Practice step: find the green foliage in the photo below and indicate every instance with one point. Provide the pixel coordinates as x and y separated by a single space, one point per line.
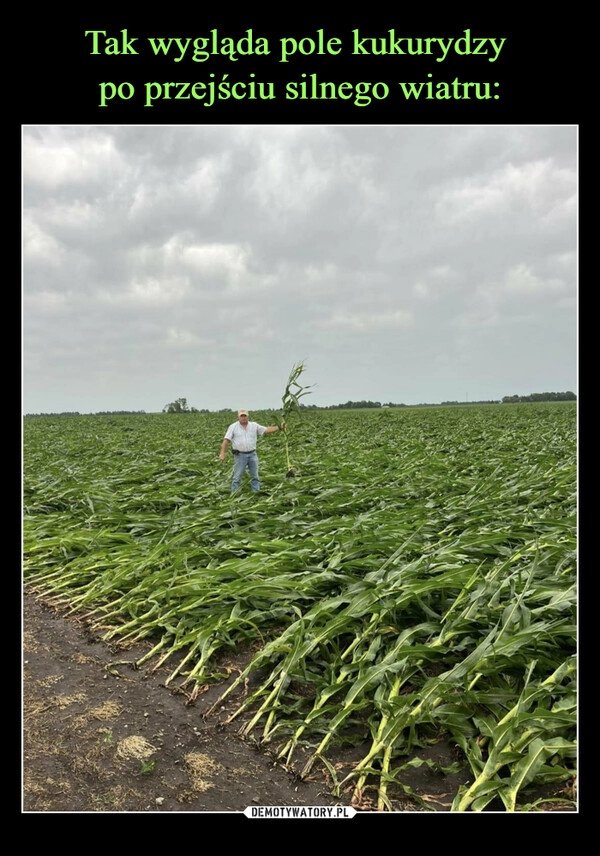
180 405
291 407
540 396
403 593
294 391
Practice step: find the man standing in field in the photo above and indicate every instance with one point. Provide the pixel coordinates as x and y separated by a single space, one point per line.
243 436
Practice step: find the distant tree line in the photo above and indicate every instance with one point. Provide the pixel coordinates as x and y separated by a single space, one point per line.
98 413
117 412
540 396
491 401
353 405
508 399
180 405
364 404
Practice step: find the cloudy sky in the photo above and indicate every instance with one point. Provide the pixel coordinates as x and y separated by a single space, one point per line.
401 263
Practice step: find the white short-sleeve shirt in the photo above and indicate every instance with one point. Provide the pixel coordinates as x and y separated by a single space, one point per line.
244 439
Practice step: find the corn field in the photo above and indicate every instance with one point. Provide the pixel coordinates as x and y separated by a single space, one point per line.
415 581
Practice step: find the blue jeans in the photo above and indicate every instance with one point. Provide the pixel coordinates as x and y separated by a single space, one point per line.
240 462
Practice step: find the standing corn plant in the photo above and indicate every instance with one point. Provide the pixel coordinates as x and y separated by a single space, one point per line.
290 401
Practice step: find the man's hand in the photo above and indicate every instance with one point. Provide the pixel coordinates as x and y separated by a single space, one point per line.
222 456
